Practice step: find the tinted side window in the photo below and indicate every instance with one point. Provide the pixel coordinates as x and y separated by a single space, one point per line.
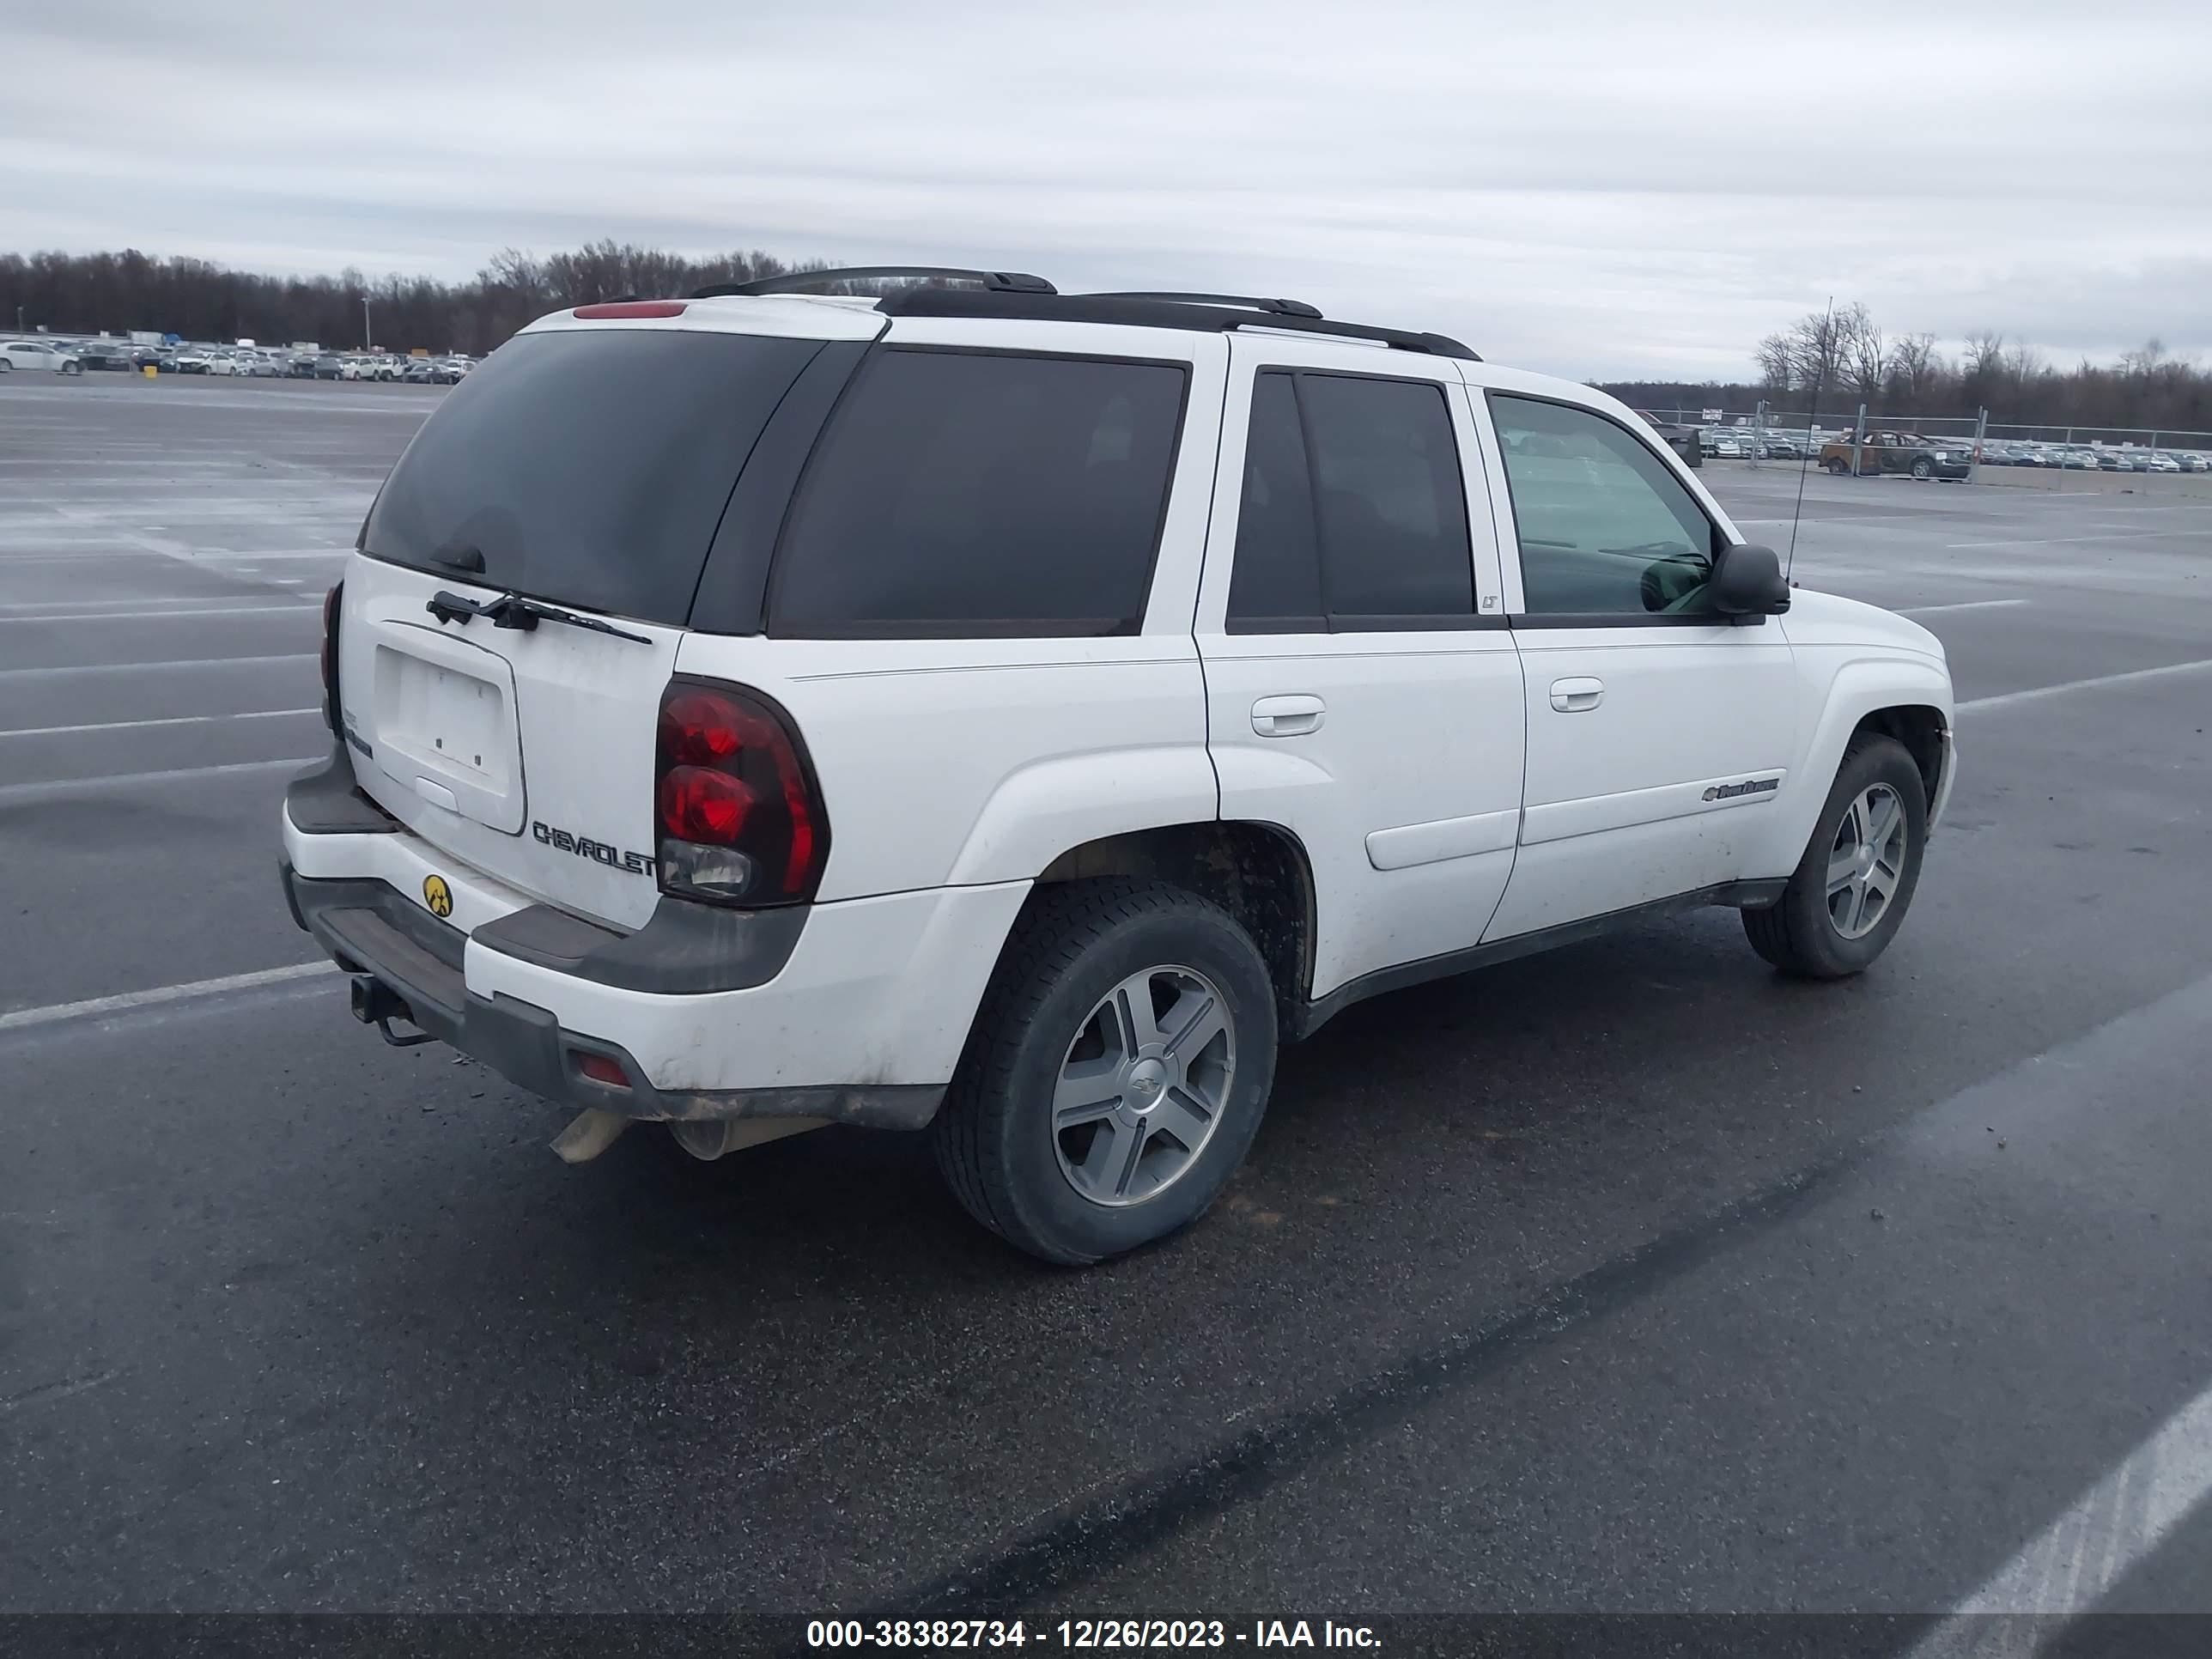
1275 584
1605 528
992 494
1389 497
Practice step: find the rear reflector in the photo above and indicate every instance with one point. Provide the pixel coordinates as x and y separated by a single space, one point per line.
601 1068
631 308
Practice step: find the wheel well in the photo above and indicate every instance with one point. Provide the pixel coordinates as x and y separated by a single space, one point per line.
1920 729
1256 871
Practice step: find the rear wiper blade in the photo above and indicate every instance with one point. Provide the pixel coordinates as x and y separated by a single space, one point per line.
514 611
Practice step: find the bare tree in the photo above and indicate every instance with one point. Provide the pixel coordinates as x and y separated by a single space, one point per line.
2143 362
1811 352
1777 362
1914 368
1865 358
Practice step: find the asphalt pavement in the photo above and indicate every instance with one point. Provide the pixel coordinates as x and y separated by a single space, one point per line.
1627 1278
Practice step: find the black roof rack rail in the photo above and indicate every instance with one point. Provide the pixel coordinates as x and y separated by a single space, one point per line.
1281 307
997 281
1151 313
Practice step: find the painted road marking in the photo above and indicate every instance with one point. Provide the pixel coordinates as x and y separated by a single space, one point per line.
170 720
182 604
12 792
24 1018
292 609
2005 700
2076 1561
2066 541
134 668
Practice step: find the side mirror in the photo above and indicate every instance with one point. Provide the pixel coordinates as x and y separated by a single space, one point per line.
1746 583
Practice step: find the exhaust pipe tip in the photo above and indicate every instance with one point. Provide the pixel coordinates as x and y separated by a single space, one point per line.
590 1132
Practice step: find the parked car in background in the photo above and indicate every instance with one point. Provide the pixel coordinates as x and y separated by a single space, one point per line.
418 372
2159 461
37 356
2119 460
1720 446
1905 453
1682 440
221 362
2193 462
113 354
190 360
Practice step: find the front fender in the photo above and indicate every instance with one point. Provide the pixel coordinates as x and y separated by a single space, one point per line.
1855 683
1040 811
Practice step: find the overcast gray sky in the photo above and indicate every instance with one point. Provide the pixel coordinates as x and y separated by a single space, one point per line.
1593 189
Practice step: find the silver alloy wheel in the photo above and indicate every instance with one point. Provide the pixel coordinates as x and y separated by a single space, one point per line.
1143 1086
1866 862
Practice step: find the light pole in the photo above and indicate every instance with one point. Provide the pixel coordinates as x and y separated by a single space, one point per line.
366 343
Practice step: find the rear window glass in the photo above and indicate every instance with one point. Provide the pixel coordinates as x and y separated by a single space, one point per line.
981 493
588 467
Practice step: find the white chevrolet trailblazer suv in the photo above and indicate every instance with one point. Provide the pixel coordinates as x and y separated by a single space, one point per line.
1016 713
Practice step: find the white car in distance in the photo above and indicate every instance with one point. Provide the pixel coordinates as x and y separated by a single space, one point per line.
37 356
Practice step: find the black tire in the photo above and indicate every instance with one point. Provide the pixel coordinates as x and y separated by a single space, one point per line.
1074 944
1797 932
1924 470
1839 467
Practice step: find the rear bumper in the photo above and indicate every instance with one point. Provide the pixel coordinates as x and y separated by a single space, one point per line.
853 1011
370 930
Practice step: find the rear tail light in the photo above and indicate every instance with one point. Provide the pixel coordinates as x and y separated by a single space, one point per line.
333 603
738 814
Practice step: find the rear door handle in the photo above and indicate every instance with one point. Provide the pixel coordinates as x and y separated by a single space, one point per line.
1576 695
1288 716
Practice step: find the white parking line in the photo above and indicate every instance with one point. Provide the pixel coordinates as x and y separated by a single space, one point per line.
130 1000
1963 605
132 667
2071 1565
169 615
2007 699
60 786
169 719
185 607
2068 541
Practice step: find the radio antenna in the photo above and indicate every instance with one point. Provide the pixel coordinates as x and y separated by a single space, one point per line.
1811 424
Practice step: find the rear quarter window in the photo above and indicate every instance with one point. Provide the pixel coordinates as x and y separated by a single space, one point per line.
586 466
981 493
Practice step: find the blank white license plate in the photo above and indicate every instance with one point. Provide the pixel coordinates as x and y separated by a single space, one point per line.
442 713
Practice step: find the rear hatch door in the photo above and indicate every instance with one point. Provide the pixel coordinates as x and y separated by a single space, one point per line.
585 469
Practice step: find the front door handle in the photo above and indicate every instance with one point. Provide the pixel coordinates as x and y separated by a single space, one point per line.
1576 695
1288 716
